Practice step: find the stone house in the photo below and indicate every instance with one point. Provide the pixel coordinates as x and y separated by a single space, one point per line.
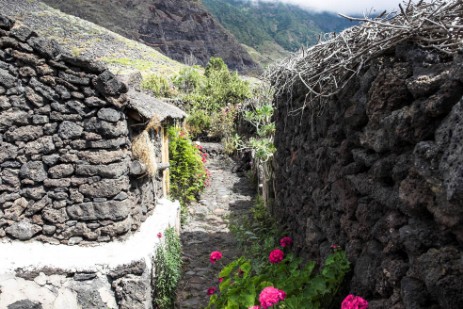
83 166
68 172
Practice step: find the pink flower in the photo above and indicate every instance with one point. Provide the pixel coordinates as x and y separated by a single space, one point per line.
220 280
354 302
159 235
270 296
334 246
276 256
215 256
254 307
211 291
286 241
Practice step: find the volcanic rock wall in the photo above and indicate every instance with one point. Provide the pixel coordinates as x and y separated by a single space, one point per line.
65 159
379 171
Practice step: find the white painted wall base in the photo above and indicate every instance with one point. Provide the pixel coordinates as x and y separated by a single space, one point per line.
101 276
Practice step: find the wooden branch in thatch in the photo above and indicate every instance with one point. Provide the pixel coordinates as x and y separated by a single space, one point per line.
327 67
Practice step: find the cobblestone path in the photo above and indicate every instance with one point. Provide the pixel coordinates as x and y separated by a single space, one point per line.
206 229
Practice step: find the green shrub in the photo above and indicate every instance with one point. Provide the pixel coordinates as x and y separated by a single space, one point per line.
160 86
208 95
198 121
224 87
189 79
188 175
167 270
223 123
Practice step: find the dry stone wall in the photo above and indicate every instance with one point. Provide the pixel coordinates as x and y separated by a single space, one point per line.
65 159
379 171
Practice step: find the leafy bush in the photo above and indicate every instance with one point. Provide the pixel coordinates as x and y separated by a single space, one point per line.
198 121
160 86
267 262
167 270
241 280
208 95
241 283
189 79
188 174
222 86
258 114
223 123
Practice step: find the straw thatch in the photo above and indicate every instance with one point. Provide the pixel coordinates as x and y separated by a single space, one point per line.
324 69
143 149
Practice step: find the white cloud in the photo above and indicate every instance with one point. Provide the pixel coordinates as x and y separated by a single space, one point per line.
347 6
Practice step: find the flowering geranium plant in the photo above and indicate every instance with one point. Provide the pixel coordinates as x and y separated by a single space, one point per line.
215 256
284 281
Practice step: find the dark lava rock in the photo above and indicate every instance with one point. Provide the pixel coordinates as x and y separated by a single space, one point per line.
5 22
25 304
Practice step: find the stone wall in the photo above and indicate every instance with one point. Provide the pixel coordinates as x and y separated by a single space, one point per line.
111 275
379 171
65 159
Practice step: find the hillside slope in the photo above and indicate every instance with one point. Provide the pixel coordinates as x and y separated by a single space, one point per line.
266 26
181 29
87 39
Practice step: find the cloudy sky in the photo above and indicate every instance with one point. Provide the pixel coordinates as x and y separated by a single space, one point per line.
347 6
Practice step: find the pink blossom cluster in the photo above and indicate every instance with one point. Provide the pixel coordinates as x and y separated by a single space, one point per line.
286 241
354 302
270 296
276 256
211 291
215 256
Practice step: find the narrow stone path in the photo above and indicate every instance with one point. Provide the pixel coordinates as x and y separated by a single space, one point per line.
206 230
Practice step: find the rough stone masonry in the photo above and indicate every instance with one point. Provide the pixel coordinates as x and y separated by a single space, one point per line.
65 154
380 173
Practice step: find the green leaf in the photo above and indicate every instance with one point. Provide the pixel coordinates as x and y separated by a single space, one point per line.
246 268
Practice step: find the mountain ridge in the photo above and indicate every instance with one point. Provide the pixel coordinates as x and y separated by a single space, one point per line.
183 30
264 25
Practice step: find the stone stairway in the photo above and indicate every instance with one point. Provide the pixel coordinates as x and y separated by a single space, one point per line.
206 229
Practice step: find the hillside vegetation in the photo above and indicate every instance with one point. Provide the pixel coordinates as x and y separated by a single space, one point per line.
181 29
273 28
83 38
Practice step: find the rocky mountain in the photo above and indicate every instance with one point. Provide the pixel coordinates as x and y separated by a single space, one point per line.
182 29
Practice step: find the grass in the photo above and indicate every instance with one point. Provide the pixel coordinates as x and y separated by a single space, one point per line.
141 65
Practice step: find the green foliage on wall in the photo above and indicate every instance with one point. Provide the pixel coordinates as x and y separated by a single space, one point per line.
188 175
167 270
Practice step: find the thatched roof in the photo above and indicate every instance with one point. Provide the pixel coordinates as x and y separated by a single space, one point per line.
148 107
324 69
